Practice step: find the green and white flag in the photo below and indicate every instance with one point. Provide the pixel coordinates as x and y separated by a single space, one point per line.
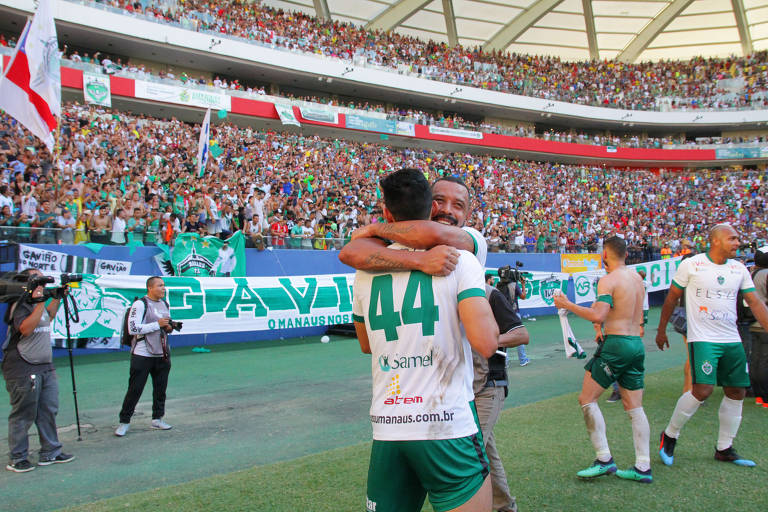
208 256
97 90
285 112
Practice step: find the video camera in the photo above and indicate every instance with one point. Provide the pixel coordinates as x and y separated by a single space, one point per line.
508 274
175 325
18 286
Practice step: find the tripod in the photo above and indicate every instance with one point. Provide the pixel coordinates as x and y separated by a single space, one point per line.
74 315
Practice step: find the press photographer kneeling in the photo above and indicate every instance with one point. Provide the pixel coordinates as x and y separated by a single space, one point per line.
148 324
30 376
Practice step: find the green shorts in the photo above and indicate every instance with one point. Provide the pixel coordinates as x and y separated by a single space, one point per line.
401 473
720 364
620 359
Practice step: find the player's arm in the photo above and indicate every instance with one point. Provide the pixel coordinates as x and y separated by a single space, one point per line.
371 254
481 329
512 331
418 234
598 312
362 337
758 308
673 298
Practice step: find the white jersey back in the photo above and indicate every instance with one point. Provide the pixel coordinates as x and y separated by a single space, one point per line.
710 297
421 363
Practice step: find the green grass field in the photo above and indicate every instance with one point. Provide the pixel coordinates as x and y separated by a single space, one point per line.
282 426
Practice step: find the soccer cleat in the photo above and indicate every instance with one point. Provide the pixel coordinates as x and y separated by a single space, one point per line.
759 400
524 361
667 448
615 397
122 429
20 467
159 424
644 477
59 459
730 455
598 468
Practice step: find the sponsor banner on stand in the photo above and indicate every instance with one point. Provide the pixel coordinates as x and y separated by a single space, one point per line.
370 124
658 276
406 129
286 115
182 96
53 263
454 132
97 89
738 153
319 114
572 263
222 304
540 288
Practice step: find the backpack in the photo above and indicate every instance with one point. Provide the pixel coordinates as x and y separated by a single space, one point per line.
127 338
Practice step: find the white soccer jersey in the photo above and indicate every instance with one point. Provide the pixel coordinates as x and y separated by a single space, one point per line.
481 246
421 362
710 297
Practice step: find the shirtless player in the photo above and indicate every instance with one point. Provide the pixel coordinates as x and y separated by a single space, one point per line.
620 357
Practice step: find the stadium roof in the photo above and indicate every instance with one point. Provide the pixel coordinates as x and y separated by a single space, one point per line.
630 30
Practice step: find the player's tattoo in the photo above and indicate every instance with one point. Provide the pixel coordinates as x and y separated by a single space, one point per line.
378 261
395 229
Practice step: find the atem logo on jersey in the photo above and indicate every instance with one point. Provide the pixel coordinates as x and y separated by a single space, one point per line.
397 362
406 400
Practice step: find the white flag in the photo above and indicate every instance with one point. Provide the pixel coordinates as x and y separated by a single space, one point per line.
203 146
572 347
30 88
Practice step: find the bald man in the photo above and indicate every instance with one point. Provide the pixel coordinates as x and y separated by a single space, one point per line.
711 282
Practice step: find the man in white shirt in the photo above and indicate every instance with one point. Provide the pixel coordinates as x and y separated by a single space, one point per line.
118 228
711 282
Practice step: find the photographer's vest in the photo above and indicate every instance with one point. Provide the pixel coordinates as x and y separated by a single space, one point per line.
153 341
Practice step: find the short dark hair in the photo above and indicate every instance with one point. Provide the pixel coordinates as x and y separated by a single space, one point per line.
617 245
453 179
151 279
407 195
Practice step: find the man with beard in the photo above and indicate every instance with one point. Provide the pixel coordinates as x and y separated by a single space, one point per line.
440 237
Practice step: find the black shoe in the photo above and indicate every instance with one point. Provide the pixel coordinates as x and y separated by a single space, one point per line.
59 459
730 455
20 467
615 397
667 448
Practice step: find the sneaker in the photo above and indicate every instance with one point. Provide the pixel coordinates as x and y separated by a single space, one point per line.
667 448
765 405
525 362
159 424
730 455
59 459
122 429
598 468
644 477
759 401
615 397
20 467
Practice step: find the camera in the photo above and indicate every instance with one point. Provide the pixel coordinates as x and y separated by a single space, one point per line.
70 278
175 325
508 274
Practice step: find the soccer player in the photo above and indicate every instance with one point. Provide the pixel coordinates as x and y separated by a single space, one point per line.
426 437
711 282
620 357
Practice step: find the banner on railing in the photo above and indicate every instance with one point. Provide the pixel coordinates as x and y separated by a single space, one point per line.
371 124
182 95
453 132
573 263
540 288
658 276
207 304
319 114
286 115
204 256
97 90
54 263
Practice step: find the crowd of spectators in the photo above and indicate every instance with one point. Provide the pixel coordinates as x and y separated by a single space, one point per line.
124 178
711 83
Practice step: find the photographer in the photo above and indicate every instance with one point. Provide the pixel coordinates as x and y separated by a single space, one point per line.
30 377
149 323
507 276
490 386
